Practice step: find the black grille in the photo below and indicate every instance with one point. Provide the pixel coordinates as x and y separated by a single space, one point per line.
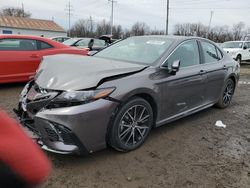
59 133
52 134
65 134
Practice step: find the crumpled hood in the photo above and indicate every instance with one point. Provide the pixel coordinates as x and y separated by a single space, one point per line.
76 72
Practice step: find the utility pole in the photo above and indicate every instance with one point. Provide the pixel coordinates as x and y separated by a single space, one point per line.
22 9
210 21
167 20
69 10
91 24
112 15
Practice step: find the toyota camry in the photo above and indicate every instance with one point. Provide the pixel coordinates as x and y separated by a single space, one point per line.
78 104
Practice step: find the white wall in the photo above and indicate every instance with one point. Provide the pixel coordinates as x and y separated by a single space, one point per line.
47 34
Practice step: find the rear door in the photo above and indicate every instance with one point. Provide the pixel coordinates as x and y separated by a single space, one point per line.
19 59
216 70
184 91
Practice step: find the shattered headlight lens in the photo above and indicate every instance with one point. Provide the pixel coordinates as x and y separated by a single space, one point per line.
70 98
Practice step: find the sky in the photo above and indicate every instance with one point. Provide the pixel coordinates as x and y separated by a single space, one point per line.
127 12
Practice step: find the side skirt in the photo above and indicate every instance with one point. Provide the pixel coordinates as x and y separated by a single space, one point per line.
183 114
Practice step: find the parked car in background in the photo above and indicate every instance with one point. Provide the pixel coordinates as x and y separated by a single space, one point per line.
60 39
20 55
239 50
115 97
108 39
91 43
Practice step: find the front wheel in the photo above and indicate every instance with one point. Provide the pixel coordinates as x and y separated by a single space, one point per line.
131 125
227 94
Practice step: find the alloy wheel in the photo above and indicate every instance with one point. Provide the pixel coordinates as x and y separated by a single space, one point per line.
228 92
134 125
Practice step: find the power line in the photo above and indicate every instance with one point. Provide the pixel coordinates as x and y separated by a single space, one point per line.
69 10
112 14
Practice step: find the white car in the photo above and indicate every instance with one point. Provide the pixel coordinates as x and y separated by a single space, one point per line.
239 50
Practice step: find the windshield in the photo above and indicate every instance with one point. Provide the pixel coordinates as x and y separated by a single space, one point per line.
232 45
143 50
70 42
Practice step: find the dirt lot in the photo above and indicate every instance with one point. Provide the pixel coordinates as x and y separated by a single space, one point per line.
191 152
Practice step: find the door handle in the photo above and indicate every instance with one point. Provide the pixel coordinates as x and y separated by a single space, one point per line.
202 72
225 67
34 56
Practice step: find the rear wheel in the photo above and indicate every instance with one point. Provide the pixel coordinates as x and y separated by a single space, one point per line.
131 125
227 94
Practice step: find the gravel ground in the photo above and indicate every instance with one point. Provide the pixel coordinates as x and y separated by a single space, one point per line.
191 152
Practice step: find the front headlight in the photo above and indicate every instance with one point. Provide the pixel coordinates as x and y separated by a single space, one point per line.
70 98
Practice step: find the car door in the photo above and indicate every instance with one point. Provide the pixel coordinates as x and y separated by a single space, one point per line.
247 50
19 59
184 91
216 70
244 51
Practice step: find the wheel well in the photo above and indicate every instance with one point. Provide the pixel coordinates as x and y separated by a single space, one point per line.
239 55
234 79
151 101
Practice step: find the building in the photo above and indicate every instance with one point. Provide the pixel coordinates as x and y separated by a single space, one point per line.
30 26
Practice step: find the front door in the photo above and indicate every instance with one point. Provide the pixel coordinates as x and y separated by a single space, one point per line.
184 91
19 59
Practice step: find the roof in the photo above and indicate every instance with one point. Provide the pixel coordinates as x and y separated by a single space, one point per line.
44 39
29 23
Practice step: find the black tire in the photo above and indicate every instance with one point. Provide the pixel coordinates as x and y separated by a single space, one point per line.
131 125
238 59
226 94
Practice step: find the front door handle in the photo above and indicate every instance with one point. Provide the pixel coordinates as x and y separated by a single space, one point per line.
34 56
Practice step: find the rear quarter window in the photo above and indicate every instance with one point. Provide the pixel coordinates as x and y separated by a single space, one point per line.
210 52
43 45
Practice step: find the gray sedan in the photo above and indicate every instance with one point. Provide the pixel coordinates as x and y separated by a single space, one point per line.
81 104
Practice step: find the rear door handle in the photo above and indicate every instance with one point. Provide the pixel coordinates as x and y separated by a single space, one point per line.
34 56
202 71
224 67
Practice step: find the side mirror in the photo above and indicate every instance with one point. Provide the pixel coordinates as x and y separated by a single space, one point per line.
175 67
244 47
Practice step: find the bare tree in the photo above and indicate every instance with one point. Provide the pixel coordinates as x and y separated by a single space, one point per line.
103 28
237 31
217 33
17 12
140 28
82 28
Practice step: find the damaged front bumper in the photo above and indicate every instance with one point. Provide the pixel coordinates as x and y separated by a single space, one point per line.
69 130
